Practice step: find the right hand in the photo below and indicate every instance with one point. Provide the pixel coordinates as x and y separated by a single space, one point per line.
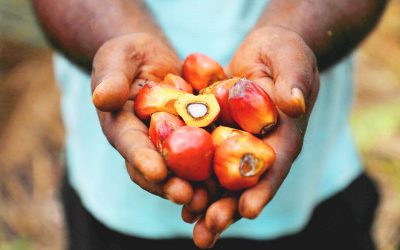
120 67
280 61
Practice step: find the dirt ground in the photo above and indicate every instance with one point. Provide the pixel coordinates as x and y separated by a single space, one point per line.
32 135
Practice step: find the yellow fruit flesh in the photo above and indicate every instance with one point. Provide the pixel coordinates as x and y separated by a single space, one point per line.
197 111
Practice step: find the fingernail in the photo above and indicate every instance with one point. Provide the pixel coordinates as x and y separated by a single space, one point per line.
170 197
214 241
298 99
102 84
193 220
97 87
101 89
167 196
97 94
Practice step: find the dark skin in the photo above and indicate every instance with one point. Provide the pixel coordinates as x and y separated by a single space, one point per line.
116 67
315 34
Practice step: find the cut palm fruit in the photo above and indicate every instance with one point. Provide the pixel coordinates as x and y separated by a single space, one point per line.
197 111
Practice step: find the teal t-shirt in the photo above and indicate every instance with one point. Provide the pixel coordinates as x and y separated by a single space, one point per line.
327 163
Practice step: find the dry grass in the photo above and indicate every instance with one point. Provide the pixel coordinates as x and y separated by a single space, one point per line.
32 137
376 121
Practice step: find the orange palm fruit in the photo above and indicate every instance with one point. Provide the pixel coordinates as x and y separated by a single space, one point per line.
161 125
240 160
155 98
188 152
197 111
178 83
221 133
251 107
221 91
200 71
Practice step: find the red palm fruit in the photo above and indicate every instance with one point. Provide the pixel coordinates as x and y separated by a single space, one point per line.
161 125
239 161
155 98
251 107
200 71
221 133
178 83
188 152
220 90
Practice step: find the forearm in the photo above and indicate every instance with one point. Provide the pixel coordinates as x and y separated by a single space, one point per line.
330 28
79 27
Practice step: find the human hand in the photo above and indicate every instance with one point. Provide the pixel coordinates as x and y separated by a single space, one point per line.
285 67
120 67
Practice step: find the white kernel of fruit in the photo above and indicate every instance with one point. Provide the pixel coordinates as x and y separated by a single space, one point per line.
197 110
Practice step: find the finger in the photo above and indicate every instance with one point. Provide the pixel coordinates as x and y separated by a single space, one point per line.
129 137
221 214
178 190
114 68
287 142
142 182
199 201
147 160
188 216
266 84
214 191
228 72
192 210
202 236
111 92
175 189
293 70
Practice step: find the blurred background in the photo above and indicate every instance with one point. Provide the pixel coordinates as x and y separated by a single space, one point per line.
31 132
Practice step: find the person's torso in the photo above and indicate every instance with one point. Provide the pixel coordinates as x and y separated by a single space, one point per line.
328 161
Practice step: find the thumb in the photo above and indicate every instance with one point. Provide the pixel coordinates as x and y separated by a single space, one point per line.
111 92
295 75
112 74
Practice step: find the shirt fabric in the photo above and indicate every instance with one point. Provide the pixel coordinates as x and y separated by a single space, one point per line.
327 164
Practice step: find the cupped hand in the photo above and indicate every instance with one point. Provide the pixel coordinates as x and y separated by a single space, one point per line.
120 68
279 61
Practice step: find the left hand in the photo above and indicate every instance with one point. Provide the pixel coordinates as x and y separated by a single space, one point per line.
279 61
120 67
